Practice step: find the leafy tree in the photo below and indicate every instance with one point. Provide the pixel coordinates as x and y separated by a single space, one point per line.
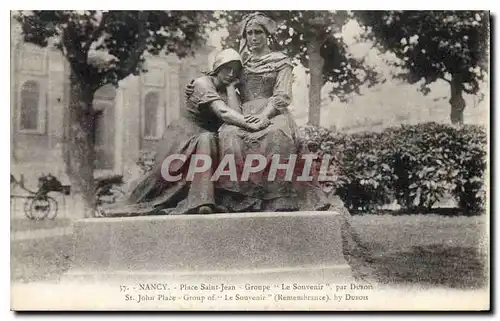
314 39
431 45
104 47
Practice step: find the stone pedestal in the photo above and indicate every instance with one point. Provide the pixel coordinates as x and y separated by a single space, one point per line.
296 244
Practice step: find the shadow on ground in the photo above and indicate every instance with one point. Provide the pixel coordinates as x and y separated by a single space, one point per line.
432 265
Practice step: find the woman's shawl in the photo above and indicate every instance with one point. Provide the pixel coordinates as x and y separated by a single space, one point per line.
271 62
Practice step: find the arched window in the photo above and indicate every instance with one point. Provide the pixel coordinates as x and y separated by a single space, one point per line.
30 103
152 115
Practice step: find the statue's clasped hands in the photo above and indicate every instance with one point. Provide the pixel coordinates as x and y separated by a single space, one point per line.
257 122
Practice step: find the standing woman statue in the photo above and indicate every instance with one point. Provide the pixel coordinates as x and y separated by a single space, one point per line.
265 91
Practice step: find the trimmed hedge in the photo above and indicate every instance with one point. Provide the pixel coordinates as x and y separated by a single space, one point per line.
415 165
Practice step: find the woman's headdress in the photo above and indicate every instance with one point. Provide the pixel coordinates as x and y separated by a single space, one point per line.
259 18
223 57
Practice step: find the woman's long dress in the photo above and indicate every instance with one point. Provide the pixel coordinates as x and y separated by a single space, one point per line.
266 80
194 133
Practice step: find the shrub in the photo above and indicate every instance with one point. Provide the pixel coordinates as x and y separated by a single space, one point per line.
363 178
424 164
416 165
365 183
469 187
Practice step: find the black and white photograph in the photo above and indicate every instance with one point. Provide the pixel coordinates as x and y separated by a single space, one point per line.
250 160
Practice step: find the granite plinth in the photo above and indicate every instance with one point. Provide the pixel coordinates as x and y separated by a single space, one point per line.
293 244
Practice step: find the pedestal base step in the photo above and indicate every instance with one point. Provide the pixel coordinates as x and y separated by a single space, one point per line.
252 244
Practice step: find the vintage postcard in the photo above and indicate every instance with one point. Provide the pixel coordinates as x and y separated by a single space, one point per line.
250 160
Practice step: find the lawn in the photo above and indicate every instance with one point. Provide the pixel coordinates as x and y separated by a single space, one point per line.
428 250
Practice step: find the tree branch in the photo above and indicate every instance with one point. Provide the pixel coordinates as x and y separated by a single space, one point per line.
443 78
73 53
137 51
96 33
325 36
470 92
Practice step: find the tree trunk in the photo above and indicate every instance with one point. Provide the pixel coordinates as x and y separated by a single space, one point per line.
316 63
457 102
78 147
